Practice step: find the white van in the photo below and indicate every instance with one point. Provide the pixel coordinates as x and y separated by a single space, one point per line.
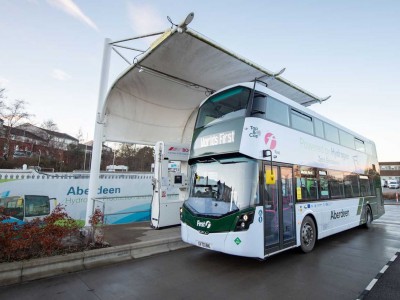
393 184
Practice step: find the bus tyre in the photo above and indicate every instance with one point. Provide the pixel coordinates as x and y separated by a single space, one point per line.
308 234
368 217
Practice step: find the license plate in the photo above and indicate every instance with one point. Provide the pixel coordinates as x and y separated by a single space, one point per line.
204 245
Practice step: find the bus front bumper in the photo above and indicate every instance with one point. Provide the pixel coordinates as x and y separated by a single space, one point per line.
247 243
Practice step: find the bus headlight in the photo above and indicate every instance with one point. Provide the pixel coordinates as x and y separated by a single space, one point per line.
244 221
180 213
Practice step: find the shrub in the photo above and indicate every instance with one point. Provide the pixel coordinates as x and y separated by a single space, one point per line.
96 221
36 238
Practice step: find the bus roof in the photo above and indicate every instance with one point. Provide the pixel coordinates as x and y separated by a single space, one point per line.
157 97
308 111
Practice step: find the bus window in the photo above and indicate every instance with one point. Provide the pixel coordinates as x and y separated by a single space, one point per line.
355 185
271 193
302 122
331 133
271 210
359 145
323 184
372 186
346 139
306 184
336 185
14 207
370 149
228 104
348 187
319 128
277 111
364 186
36 206
352 180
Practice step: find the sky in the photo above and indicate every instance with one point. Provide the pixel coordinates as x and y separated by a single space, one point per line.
51 53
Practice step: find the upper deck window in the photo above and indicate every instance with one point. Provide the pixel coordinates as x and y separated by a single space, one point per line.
319 128
224 105
346 139
331 133
302 122
360 146
277 111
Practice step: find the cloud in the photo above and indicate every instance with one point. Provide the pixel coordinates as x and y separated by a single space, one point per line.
145 19
60 75
69 7
4 82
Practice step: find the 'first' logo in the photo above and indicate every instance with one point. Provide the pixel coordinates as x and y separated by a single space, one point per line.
270 140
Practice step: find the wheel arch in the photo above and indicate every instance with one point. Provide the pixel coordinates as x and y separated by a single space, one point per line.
370 209
312 216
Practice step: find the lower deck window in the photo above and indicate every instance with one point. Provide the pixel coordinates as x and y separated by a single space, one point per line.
317 184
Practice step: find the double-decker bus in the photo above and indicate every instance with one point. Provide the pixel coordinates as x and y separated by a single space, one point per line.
268 174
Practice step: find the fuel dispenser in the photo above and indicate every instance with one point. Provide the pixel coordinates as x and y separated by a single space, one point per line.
169 183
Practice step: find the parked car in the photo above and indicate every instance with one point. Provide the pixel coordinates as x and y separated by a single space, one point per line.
21 153
393 184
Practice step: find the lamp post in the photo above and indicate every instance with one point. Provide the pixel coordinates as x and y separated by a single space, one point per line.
113 158
40 153
84 160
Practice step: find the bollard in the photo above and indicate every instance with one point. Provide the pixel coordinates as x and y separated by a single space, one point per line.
397 197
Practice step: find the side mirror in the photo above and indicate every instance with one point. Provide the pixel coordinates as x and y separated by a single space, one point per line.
269 177
259 104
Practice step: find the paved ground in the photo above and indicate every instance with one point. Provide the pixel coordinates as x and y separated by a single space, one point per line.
117 235
340 266
385 286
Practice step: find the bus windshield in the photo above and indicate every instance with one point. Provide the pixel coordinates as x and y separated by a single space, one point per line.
32 205
13 207
228 104
219 187
36 206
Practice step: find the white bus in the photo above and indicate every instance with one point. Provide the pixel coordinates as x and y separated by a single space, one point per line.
22 209
267 174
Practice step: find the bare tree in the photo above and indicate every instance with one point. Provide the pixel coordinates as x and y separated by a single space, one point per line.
13 115
2 95
136 158
50 126
79 136
2 98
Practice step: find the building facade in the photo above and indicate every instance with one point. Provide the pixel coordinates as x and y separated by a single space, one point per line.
390 170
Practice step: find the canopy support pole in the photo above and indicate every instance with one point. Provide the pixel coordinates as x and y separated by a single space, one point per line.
98 132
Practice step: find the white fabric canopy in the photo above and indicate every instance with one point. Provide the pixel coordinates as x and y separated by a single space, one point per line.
157 98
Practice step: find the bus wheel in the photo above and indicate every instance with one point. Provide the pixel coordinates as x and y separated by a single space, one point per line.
308 234
368 217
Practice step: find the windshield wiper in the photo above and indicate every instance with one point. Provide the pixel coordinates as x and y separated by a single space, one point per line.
206 161
231 162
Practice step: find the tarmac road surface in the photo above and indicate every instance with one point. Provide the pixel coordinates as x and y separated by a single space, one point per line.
340 267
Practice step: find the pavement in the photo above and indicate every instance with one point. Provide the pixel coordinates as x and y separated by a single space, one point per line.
127 242
123 234
386 284
136 240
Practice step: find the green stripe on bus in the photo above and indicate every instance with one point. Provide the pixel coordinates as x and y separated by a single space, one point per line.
212 225
360 206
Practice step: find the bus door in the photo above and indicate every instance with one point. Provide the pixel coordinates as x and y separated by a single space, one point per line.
279 210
